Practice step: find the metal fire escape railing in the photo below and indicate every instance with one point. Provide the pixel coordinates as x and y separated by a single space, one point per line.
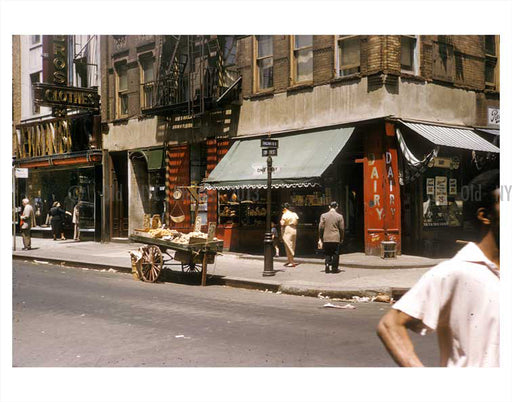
190 76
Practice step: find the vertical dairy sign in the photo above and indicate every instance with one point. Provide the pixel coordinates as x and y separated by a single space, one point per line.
55 59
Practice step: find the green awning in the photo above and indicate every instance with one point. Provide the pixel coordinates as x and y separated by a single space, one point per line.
301 161
155 158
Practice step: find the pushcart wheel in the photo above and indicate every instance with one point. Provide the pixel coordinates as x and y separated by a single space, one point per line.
192 267
151 264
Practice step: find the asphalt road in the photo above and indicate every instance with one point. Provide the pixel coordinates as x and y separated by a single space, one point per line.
71 317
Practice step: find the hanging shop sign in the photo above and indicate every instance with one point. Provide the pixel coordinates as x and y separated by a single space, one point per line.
55 59
66 97
493 116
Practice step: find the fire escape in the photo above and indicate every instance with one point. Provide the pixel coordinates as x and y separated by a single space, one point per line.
194 75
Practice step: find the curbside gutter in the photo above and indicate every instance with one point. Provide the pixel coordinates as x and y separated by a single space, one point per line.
272 286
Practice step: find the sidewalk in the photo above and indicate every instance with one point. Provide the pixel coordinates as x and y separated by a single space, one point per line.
363 276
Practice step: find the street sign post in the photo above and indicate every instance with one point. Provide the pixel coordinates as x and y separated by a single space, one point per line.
269 149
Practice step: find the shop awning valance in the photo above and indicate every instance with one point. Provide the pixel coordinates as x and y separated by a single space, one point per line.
452 137
301 161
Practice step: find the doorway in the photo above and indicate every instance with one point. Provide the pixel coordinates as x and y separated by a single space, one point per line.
119 195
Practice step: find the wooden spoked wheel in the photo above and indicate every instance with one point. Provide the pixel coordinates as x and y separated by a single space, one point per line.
192 267
151 264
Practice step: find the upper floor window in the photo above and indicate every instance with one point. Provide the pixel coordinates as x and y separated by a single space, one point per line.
147 69
409 53
349 55
302 58
491 60
122 90
265 61
34 79
81 72
35 39
230 74
490 45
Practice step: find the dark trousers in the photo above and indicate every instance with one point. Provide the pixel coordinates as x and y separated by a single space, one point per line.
25 234
56 228
332 256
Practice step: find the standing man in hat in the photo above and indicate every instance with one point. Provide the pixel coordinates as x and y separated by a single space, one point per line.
27 220
331 233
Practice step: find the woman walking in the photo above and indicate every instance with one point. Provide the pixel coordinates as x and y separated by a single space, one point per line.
289 221
57 215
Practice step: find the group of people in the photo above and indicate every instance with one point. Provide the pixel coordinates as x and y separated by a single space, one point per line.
331 234
57 216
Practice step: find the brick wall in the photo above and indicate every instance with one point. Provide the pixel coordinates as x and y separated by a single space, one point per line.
323 58
281 62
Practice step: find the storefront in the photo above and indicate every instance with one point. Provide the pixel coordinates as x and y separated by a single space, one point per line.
433 188
312 169
63 165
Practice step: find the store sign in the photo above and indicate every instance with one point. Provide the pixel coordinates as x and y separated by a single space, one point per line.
72 97
211 231
493 116
260 170
21 173
55 59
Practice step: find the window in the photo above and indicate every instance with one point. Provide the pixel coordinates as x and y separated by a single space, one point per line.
409 54
122 90
147 66
303 58
35 39
490 60
81 72
349 55
265 61
34 79
443 61
230 73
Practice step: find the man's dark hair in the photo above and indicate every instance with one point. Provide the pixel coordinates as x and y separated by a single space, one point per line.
333 204
480 194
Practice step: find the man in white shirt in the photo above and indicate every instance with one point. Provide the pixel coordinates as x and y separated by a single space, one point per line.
459 298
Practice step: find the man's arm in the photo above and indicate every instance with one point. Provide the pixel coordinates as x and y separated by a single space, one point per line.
321 227
392 331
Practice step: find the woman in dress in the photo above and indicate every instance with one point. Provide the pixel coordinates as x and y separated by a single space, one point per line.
57 216
289 221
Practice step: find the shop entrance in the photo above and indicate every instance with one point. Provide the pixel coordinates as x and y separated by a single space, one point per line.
119 195
353 209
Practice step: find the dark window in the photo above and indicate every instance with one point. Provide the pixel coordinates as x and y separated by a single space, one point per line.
34 79
490 45
407 53
265 61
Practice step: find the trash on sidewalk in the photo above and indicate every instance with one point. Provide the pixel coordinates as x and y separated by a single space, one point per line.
40 262
345 307
364 299
321 296
382 298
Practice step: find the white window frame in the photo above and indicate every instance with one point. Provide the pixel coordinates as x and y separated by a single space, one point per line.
256 76
121 92
338 40
416 55
293 64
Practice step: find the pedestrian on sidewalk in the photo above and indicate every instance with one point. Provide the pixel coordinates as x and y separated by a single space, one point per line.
27 220
459 298
275 239
331 230
76 220
57 216
289 221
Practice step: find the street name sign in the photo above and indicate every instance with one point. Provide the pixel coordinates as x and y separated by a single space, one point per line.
269 152
267 143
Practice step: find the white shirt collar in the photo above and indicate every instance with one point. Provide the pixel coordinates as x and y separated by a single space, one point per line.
472 253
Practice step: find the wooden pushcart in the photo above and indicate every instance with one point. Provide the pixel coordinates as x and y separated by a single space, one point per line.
191 257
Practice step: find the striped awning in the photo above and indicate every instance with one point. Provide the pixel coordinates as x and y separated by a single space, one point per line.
452 137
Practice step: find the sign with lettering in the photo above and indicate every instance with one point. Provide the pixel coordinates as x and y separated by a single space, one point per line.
55 59
260 170
267 143
269 152
493 116
62 96
21 173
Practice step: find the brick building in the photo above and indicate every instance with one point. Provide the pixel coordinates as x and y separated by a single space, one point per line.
169 108
392 127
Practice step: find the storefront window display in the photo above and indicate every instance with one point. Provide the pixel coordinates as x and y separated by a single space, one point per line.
443 205
67 186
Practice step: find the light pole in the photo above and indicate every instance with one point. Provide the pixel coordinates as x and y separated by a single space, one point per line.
268 269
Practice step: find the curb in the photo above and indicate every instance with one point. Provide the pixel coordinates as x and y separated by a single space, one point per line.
176 277
346 264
